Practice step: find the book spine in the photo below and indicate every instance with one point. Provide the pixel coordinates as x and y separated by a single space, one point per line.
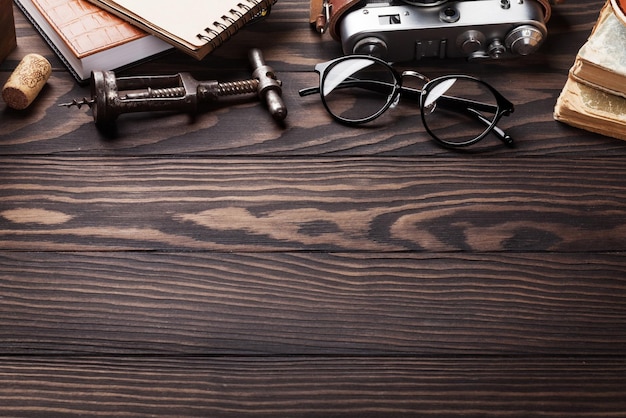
247 10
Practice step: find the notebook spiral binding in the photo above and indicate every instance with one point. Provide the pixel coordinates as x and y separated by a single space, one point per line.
249 10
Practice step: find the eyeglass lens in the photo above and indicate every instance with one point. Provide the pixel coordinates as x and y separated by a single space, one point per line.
458 110
357 90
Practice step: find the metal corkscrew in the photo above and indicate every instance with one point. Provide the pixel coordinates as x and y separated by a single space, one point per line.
112 96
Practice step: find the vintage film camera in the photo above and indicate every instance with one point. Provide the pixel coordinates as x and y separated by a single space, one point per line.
407 30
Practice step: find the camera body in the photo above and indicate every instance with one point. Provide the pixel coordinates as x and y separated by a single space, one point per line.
408 30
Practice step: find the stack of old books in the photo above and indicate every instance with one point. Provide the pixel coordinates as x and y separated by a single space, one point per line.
594 96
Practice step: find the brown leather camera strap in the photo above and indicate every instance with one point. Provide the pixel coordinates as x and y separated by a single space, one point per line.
327 18
547 9
325 14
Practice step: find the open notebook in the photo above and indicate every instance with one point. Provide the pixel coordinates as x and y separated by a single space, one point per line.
193 26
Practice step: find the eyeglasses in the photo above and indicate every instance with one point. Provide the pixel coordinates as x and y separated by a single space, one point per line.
456 110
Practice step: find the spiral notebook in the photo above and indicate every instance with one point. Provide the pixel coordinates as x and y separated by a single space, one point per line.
196 27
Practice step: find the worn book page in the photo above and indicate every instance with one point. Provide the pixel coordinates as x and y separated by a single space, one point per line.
602 59
593 110
619 6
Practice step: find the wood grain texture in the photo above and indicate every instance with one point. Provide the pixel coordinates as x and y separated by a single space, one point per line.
222 265
303 387
314 205
313 303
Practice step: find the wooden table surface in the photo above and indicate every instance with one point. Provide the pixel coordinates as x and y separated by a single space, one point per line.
225 265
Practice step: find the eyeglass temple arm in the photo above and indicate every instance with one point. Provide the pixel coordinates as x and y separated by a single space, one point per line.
503 136
308 91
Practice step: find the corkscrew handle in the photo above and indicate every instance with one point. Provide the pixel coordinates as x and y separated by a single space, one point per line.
270 88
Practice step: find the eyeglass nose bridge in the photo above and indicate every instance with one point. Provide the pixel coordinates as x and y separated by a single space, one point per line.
411 73
410 92
395 98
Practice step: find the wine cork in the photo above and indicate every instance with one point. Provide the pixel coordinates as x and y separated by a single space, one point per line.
26 81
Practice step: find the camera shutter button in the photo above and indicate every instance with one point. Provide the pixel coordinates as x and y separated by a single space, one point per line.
524 40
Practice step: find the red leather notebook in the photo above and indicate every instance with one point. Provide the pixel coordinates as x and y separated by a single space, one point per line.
87 38
85 28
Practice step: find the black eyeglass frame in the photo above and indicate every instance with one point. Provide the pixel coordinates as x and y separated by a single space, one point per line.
503 106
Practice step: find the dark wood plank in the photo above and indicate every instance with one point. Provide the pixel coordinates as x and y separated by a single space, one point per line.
304 387
54 204
312 303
